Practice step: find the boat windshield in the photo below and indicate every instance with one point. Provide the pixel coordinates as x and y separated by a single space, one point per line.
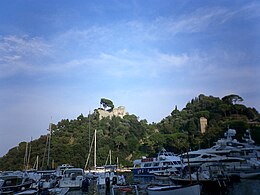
74 172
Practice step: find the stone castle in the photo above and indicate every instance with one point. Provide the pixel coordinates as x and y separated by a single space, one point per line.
120 111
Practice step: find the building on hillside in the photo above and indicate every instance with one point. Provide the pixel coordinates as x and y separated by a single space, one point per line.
120 111
203 124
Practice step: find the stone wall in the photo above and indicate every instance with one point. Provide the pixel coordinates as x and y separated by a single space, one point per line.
120 111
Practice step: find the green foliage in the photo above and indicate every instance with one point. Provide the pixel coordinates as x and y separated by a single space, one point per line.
130 138
232 99
106 103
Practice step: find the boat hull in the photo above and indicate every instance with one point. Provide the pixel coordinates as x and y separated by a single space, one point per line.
208 185
176 190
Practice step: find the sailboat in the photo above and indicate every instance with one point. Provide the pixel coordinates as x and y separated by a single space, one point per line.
104 174
27 156
47 149
91 173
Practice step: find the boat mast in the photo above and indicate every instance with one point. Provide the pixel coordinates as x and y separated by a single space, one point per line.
49 147
90 148
29 155
95 149
43 159
25 156
89 129
36 163
110 155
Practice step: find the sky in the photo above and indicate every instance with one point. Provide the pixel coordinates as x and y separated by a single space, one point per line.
59 58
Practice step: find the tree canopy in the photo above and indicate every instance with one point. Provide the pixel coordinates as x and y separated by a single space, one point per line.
107 103
232 99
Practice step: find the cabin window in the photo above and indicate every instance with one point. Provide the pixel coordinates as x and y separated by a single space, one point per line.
191 155
148 165
167 163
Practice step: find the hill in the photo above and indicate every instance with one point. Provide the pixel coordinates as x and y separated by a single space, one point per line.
130 138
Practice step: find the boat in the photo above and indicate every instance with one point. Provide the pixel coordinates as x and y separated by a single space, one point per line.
164 160
27 192
211 176
72 178
243 171
93 173
56 190
162 175
48 179
60 169
13 182
231 147
242 159
106 179
197 158
100 173
124 189
165 174
192 189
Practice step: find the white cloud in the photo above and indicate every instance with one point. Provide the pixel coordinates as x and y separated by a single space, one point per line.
112 46
18 54
24 45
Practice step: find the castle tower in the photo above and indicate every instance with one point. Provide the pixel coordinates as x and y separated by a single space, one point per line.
203 124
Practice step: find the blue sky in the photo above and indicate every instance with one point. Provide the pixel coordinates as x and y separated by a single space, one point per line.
59 58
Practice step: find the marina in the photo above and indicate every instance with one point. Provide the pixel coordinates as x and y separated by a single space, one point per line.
137 185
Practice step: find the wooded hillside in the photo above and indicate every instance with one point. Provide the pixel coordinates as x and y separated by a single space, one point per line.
130 138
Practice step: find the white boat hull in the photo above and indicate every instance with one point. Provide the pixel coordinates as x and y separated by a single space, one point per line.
176 190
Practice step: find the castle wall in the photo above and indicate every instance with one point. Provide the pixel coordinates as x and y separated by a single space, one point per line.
120 111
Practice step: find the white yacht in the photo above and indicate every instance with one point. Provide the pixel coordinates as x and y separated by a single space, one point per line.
60 169
164 160
240 158
72 178
199 157
230 147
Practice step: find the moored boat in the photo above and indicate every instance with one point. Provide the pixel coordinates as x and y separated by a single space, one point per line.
72 178
13 182
123 189
27 192
165 174
211 176
47 180
192 189
231 147
241 159
164 160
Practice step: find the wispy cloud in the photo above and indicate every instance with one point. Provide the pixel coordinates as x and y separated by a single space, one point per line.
250 10
128 47
19 54
197 21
